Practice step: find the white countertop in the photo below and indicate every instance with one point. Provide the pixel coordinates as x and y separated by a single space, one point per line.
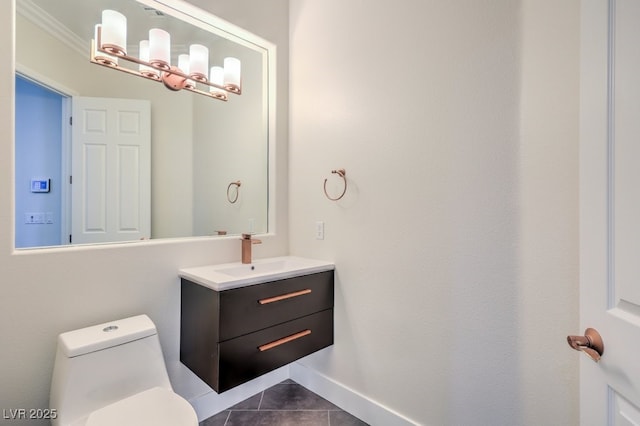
226 276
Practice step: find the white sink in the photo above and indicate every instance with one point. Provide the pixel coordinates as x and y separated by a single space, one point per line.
233 275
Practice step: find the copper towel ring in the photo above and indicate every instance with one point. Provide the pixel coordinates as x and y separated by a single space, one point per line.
342 173
237 185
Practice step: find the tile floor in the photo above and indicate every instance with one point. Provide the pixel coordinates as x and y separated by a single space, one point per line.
285 404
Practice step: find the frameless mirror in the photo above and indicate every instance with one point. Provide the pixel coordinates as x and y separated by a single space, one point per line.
208 161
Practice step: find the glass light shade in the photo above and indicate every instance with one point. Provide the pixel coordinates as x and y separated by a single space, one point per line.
199 56
232 79
216 76
103 58
159 48
144 56
114 32
183 65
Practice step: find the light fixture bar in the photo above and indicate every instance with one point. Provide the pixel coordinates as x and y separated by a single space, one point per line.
168 76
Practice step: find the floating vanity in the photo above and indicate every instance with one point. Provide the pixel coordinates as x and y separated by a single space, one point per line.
239 321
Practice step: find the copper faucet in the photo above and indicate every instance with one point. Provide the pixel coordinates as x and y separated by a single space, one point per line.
247 242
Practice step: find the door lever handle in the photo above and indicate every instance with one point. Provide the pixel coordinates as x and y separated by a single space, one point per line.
591 343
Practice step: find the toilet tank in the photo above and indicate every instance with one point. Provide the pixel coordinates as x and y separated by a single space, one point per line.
102 364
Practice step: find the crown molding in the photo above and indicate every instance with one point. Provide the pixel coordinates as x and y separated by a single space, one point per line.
55 28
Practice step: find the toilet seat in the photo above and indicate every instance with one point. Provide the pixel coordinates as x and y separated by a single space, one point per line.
156 406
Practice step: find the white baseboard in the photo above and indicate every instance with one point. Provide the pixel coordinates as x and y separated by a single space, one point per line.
349 400
207 403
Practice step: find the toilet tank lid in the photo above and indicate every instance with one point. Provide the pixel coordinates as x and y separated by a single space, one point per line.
102 336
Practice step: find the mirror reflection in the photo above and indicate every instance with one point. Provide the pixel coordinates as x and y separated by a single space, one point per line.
179 178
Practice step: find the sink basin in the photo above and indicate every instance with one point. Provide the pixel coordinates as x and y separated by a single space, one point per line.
243 270
233 275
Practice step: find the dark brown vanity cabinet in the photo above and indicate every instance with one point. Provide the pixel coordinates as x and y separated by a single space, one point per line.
232 336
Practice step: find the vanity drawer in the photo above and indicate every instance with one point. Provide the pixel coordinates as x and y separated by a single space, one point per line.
249 356
247 309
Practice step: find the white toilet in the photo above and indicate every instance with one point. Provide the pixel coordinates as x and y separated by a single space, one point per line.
114 374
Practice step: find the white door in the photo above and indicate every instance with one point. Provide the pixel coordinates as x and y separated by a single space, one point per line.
111 167
610 209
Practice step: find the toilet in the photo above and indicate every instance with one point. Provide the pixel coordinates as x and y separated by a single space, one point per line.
114 374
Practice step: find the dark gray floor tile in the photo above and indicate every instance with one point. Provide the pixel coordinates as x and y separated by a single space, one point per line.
293 397
219 419
278 418
342 418
251 403
285 404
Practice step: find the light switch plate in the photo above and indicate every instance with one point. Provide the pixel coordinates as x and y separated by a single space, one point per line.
319 230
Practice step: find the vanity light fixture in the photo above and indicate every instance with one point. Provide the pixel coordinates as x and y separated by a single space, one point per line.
154 61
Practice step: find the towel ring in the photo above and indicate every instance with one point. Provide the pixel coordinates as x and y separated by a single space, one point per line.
237 185
342 173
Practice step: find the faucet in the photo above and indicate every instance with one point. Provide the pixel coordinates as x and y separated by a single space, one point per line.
247 242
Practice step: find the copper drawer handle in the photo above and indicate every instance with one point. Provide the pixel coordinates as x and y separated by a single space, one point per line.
284 340
284 296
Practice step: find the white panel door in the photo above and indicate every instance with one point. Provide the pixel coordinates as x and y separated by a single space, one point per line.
610 209
111 169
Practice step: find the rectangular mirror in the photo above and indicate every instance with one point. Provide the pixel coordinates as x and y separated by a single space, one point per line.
200 166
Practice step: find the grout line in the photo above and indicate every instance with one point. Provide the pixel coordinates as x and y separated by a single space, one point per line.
315 410
261 397
226 421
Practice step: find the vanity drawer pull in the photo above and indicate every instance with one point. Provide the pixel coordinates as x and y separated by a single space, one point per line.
284 296
284 340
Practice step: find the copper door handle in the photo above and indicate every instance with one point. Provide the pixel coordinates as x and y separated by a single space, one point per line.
591 343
